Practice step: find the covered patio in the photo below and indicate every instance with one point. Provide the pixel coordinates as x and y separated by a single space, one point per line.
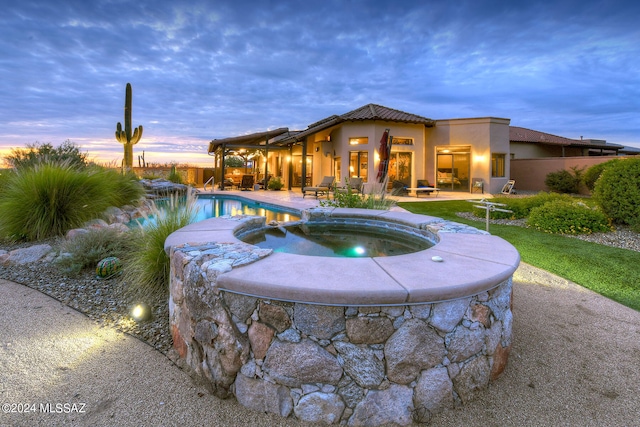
264 155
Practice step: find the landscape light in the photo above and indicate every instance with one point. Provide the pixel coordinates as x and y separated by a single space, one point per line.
141 312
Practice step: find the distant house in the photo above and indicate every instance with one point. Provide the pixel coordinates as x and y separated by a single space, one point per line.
451 154
531 144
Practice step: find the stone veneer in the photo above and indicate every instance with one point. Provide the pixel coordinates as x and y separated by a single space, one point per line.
360 365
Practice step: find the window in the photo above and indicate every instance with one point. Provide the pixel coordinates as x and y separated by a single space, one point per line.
359 164
337 168
359 141
402 141
498 165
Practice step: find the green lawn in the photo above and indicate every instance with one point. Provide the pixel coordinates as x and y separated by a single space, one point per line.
611 272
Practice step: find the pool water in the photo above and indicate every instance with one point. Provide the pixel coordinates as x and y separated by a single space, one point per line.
212 207
335 241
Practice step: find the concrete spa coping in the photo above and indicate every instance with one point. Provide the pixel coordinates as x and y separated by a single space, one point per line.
472 262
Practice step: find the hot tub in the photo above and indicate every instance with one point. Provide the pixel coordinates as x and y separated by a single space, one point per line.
366 341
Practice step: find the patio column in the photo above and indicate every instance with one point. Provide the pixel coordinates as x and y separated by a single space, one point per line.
266 162
290 166
304 163
224 150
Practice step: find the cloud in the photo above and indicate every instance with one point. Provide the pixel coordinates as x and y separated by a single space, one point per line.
203 70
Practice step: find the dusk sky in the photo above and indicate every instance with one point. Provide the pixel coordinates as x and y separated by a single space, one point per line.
202 70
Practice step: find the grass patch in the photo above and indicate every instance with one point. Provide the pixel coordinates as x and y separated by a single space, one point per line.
603 269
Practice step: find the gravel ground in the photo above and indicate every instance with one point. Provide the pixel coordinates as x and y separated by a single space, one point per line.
105 301
102 300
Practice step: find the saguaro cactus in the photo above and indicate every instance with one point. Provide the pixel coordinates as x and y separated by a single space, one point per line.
124 136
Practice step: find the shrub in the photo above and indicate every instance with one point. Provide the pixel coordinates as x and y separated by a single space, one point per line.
521 206
275 183
617 192
47 200
85 250
592 174
565 217
174 176
352 199
37 153
146 267
564 181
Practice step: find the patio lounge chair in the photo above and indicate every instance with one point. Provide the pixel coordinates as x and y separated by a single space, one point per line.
246 183
321 189
423 186
353 185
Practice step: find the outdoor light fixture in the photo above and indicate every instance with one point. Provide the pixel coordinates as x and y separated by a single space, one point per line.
141 312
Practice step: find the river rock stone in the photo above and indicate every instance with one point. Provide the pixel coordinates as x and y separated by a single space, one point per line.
434 390
263 396
500 358
320 408
464 343
275 316
26 255
392 406
500 300
412 348
241 306
361 364
260 336
446 315
473 376
351 393
369 330
320 321
206 332
294 364
480 313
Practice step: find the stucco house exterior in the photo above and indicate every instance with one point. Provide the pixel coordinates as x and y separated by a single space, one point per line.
452 154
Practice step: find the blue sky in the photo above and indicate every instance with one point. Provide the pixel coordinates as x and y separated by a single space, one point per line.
202 70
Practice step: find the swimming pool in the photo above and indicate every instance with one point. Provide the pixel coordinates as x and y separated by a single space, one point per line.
217 206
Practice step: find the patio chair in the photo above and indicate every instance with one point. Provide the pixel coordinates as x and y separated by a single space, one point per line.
353 185
246 183
399 188
509 187
321 189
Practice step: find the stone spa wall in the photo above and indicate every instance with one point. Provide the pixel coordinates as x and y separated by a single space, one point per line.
353 365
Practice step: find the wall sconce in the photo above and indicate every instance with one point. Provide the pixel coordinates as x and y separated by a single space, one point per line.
328 138
317 149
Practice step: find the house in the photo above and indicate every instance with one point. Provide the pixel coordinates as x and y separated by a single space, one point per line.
451 154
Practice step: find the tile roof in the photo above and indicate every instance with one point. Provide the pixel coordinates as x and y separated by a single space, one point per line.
518 134
364 113
379 112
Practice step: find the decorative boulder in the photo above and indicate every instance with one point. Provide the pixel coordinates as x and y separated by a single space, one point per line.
108 267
